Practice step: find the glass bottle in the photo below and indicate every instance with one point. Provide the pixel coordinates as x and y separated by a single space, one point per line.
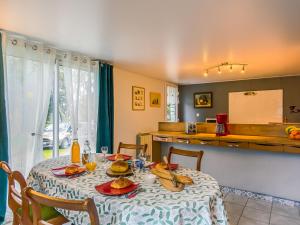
86 155
75 151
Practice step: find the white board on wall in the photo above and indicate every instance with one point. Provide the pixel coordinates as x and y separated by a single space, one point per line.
256 107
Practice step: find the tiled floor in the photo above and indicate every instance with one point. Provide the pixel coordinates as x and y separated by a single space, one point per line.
245 211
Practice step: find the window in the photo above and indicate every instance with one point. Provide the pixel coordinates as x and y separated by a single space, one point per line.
172 103
76 106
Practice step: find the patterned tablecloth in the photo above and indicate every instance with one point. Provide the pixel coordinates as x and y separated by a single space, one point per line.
200 203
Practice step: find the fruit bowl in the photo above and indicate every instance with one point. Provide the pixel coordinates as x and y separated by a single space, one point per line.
293 132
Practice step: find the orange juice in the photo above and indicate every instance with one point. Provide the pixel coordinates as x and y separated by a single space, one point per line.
75 152
90 166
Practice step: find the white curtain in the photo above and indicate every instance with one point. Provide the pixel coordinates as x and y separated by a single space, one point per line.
81 83
29 75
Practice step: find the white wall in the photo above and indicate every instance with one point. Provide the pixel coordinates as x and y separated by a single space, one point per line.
129 123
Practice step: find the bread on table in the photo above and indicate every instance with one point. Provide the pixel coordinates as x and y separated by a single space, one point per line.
161 165
71 170
119 157
166 175
119 166
121 182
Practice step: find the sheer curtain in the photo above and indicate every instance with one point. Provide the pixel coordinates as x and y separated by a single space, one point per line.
81 83
29 74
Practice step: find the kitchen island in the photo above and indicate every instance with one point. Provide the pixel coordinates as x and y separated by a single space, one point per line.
265 162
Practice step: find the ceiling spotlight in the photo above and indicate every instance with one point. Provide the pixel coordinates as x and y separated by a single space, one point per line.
219 70
243 70
230 68
206 73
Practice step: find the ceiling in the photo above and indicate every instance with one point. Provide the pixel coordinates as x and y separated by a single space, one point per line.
173 40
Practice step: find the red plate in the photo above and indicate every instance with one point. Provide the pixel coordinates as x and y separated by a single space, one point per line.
60 172
112 157
106 189
173 166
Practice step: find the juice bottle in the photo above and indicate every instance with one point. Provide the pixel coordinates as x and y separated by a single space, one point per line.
75 151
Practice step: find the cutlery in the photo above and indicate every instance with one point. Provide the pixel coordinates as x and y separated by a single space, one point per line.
174 181
134 193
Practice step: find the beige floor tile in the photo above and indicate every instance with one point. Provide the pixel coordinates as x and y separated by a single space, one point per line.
248 221
256 214
233 208
237 199
286 211
283 220
259 204
233 218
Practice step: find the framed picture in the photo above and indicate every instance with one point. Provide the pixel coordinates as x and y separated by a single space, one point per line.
203 100
154 99
138 98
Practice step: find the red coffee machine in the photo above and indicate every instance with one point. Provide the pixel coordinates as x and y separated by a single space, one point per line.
222 124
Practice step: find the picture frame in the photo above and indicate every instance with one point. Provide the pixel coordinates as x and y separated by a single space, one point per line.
138 98
155 99
203 100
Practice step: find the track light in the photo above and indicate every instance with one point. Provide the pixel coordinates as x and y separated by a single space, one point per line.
243 69
225 64
205 73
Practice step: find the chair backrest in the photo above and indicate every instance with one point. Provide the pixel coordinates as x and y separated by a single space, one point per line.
14 195
37 199
4 166
197 154
132 146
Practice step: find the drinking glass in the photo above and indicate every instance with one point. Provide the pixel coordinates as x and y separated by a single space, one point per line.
104 150
91 164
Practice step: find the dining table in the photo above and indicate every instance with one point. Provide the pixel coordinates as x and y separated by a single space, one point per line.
200 203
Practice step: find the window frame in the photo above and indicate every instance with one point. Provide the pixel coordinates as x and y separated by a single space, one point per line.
166 101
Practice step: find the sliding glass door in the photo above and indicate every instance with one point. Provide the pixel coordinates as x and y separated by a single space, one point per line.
76 106
52 97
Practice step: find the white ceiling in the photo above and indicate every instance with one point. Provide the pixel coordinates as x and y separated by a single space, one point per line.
174 40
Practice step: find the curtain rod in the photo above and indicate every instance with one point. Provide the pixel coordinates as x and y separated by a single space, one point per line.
102 61
53 46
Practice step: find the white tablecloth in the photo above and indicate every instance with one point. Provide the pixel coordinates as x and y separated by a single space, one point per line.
200 203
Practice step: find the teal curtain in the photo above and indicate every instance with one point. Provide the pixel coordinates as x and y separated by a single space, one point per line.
3 139
105 126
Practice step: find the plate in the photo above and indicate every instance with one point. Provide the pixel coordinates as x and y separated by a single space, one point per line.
60 172
112 157
111 173
106 189
173 166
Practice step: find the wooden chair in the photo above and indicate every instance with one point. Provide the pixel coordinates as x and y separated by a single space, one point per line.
198 155
38 199
14 196
4 166
15 201
132 146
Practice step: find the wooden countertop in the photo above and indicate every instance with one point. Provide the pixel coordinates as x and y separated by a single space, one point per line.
231 138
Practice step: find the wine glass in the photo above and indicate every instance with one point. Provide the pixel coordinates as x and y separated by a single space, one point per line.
143 158
104 150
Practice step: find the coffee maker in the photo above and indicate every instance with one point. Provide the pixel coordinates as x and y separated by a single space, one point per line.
222 124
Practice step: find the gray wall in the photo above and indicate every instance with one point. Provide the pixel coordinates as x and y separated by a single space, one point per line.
275 174
187 112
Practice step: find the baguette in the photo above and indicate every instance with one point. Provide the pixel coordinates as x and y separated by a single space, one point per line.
166 175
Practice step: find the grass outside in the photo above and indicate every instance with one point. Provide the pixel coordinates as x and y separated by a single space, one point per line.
47 153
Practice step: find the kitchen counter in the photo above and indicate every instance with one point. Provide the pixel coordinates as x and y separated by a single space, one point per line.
263 143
